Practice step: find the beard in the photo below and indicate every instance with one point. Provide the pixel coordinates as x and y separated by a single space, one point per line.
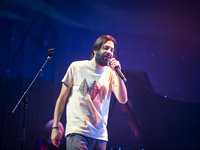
100 60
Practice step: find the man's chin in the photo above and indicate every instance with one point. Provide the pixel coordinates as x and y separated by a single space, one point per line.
105 62
102 62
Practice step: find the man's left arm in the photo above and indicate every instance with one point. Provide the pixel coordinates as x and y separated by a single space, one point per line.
119 89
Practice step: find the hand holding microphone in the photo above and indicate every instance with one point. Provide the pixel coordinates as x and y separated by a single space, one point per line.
115 65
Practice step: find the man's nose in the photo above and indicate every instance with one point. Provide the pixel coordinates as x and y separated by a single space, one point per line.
109 52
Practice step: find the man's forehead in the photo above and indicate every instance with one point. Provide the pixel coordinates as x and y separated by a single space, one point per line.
109 43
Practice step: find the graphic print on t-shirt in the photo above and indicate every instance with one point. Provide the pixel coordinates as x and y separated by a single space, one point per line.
93 90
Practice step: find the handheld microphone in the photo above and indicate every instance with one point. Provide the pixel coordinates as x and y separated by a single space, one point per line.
119 73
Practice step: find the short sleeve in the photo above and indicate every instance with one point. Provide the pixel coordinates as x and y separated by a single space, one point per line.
68 79
113 80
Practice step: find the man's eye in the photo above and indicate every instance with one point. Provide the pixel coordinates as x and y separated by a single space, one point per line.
106 47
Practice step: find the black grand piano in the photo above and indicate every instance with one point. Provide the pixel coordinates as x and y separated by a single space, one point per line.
151 121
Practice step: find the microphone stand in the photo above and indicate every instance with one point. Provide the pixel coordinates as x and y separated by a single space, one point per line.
25 100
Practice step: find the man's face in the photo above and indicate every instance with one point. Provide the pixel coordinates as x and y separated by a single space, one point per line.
105 53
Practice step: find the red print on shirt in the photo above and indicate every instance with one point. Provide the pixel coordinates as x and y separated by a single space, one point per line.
93 90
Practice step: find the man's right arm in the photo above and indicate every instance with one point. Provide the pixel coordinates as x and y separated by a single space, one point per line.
60 105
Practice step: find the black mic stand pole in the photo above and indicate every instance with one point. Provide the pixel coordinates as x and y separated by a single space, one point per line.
25 100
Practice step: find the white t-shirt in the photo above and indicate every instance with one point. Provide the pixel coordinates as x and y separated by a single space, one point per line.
89 99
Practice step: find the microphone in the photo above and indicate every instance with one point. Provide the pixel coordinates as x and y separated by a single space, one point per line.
119 73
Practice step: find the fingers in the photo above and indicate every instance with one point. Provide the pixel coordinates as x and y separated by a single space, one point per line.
55 138
114 63
56 142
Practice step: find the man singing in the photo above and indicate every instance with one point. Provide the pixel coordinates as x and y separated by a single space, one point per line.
87 85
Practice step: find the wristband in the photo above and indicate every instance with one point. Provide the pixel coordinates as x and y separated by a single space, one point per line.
54 127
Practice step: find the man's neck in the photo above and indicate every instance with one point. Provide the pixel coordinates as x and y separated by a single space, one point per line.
93 63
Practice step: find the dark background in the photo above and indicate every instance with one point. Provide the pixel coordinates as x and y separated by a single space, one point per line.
160 37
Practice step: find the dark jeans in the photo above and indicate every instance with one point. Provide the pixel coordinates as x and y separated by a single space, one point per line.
79 142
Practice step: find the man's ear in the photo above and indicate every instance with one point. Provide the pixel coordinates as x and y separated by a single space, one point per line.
94 51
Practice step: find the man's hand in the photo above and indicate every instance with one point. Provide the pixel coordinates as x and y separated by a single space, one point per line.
55 137
112 63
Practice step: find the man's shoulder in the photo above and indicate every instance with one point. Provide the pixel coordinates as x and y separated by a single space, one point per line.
80 62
